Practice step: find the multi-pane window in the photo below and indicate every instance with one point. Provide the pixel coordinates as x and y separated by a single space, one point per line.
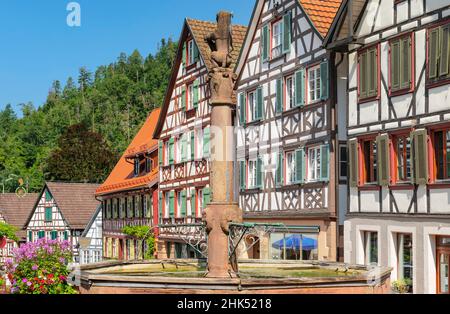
403 153
405 256
314 165
314 84
401 63
166 204
191 55
368 73
252 167
290 167
343 162
370 247
190 96
439 52
369 149
277 38
442 154
252 105
290 93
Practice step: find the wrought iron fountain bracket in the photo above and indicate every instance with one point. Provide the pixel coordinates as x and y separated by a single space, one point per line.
193 235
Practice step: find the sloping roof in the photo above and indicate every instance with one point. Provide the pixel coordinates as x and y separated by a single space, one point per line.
76 201
91 222
16 210
121 177
321 13
199 30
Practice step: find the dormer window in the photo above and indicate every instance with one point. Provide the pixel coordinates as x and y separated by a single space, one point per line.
136 166
148 165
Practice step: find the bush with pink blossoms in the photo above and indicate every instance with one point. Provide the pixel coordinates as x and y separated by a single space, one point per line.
40 268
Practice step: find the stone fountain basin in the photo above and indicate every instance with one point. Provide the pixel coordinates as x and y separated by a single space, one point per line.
255 276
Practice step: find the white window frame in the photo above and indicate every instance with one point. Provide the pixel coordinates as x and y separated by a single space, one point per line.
166 204
199 201
190 96
166 153
314 163
251 178
277 39
251 99
290 167
199 144
289 92
314 84
190 48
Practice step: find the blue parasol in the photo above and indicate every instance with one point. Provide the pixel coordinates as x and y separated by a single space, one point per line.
294 241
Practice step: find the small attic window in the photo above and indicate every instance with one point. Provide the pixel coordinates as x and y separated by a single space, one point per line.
136 166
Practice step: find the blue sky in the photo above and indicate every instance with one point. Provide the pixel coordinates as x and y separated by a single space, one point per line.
37 45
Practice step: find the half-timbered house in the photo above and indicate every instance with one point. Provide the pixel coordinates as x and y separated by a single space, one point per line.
184 133
396 55
129 195
286 143
14 210
91 241
62 212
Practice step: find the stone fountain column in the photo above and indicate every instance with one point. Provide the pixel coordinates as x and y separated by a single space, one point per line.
223 208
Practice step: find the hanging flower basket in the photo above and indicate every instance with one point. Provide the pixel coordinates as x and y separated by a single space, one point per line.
2 242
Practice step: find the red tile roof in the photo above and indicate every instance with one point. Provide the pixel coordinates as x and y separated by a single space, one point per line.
16 210
121 178
321 13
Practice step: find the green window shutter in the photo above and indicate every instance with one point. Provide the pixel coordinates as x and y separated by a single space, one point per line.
193 203
300 166
183 98
48 196
54 235
265 43
41 234
243 175
395 65
383 159
206 142
353 162
192 145
324 80
325 163
363 75
184 155
259 103
196 52
183 203
171 204
184 55
287 32
420 144
206 197
372 72
300 88
196 93
30 236
280 169
160 153
279 97
160 206
405 81
259 173
66 235
171 152
48 214
433 52
242 109
444 51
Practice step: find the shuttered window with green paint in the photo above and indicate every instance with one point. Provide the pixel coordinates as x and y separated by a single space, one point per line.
324 80
171 151
196 52
30 236
196 93
160 206
300 88
300 166
184 152
259 173
160 153
265 46
183 209
383 159
48 196
206 142
183 98
287 32
242 109
193 203
420 140
400 55
48 214
192 145
325 163
206 197
368 73
66 235
279 102
54 235
172 204
439 52
353 162
242 175
184 54
41 234
259 103
279 176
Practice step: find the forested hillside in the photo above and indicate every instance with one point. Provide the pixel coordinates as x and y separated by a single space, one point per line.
113 101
